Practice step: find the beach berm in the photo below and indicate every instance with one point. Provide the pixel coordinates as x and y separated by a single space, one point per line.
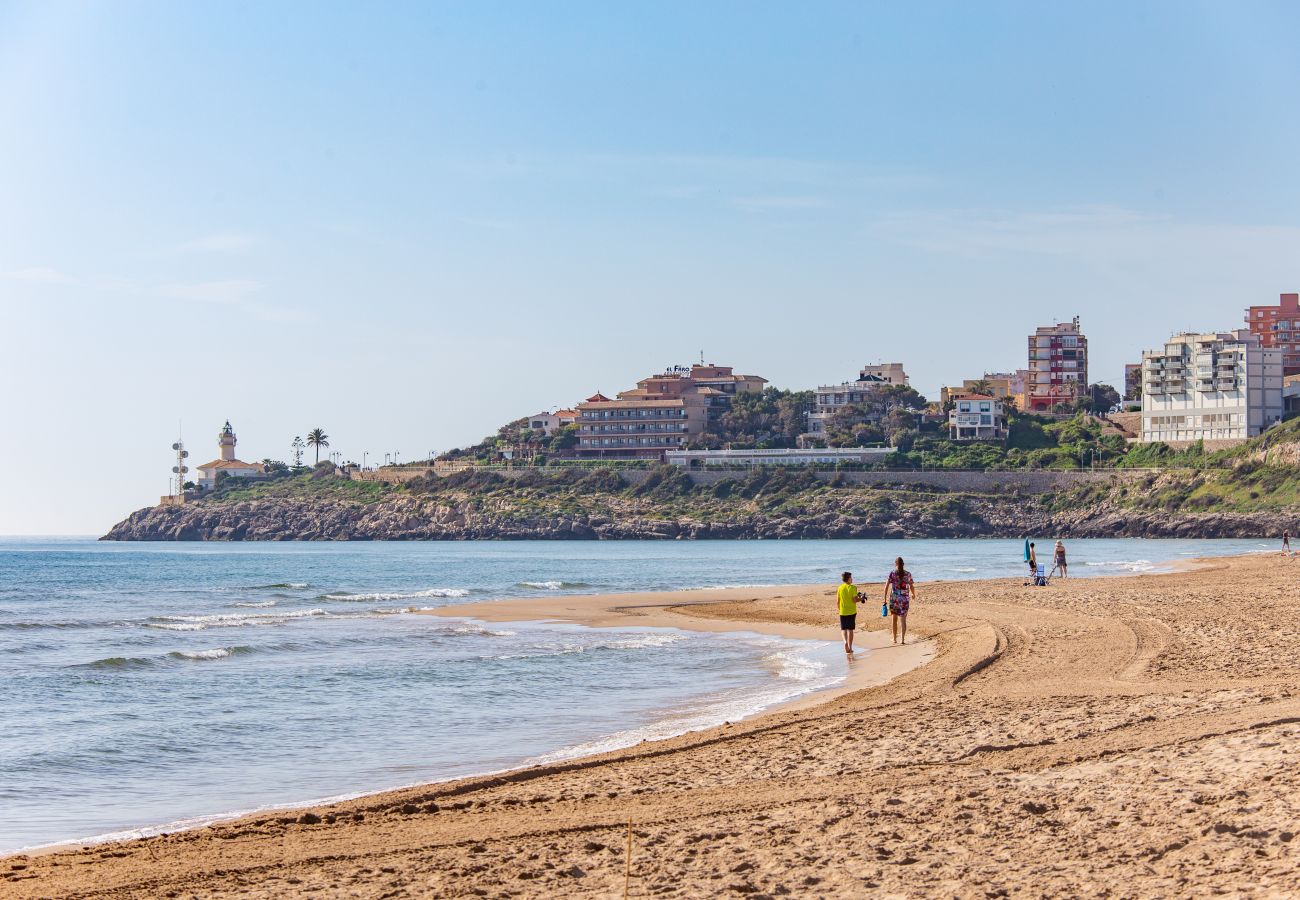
1117 737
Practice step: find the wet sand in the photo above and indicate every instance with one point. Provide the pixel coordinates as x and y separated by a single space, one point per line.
1118 737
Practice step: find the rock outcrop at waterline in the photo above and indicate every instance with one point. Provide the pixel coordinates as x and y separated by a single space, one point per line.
421 518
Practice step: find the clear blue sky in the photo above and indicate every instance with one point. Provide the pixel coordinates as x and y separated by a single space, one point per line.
408 223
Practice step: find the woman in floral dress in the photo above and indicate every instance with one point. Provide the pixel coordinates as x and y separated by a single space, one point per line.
900 591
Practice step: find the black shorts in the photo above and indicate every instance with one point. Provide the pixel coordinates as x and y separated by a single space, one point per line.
849 623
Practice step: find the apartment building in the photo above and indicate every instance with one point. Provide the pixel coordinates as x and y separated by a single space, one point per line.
663 412
1279 326
1058 367
976 417
830 399
1222 388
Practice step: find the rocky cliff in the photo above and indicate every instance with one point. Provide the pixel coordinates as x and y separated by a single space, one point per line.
405 517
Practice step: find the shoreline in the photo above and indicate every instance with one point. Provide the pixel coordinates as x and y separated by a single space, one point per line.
1108 728
598 611
653 609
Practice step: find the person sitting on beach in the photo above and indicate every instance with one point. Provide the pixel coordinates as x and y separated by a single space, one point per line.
1060 558
900 590
847 597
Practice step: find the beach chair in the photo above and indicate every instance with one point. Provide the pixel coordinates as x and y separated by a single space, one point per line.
1040 577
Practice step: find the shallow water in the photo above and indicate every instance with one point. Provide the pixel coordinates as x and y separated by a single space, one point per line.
150 683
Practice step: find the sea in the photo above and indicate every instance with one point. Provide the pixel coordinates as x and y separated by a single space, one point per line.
147 687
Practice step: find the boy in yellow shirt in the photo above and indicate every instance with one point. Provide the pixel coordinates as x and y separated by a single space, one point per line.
847 598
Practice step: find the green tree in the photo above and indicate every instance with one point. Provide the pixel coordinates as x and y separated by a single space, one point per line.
318 438
1104 397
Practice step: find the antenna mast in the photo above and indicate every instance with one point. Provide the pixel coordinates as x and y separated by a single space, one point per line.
180 468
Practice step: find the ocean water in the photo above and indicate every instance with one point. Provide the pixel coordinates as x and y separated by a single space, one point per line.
145 685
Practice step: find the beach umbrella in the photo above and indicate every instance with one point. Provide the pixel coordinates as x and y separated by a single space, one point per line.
1026 549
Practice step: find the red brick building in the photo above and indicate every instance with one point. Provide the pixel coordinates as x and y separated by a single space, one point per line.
1279 326
1058 367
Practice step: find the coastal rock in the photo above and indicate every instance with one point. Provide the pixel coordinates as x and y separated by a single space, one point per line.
414 518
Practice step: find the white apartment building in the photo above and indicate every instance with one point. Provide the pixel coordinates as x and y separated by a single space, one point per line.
830 398
976 417
1222 387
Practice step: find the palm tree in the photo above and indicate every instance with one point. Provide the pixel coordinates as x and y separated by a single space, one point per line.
318 438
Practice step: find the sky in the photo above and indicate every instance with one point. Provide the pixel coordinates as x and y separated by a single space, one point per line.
408 223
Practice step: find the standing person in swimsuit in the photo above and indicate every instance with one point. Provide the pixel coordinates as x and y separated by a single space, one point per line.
1033 560
1060 558
1286 543
900 590
847 598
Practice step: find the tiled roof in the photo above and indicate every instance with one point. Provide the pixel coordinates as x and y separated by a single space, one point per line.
231 464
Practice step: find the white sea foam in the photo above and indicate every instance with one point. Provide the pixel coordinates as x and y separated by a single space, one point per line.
200 655
449 593
257 604
547 585
801 672
1130 565
230 620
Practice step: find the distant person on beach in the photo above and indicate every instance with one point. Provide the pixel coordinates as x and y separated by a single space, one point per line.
1033 560
900 591
1286 543
847 596
1060 558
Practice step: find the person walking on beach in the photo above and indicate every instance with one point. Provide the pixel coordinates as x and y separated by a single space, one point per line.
847 597
1059 561
1033 560
1286 543
900 590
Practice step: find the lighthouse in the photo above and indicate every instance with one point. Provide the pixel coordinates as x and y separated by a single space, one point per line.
226 463
226 441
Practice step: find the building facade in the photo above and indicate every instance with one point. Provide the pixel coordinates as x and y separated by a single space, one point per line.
1132 381
1222 387
226 463
830 399
977 417
1279 327
1058 367
550 422
663 412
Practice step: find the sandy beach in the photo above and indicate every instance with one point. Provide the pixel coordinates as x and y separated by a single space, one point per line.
1118 737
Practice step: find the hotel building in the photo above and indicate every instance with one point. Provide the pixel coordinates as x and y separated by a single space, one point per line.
1058 367
830 399
1220 387
1279 326
663 412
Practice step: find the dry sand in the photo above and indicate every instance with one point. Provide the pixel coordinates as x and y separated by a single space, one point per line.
1126 737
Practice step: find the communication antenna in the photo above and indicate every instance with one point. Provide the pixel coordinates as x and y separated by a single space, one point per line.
180 468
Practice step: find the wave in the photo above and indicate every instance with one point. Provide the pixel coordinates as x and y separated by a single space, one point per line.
1129 565
229 620
215 653
120 663
553 585
450 593
256 604
639 642
296 585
